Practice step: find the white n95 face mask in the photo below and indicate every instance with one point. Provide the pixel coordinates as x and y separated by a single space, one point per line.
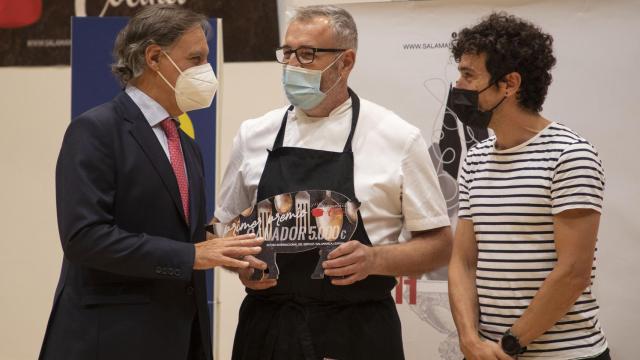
195 87
302 86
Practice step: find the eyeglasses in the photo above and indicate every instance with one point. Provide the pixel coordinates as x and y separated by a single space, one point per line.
333 211
305 55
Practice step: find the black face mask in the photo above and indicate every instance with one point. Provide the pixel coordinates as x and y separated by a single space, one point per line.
464 104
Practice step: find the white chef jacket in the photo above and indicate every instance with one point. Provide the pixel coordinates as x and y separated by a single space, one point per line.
394 177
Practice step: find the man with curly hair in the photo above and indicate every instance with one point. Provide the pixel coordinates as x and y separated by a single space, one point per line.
522 266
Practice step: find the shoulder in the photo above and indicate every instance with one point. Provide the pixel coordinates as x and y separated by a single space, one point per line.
388 125
97 120
568 142
262 125
573 146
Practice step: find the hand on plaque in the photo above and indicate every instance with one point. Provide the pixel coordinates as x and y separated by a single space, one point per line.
245 274
226 251
349 262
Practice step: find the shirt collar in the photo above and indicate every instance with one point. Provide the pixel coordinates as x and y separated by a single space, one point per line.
151 109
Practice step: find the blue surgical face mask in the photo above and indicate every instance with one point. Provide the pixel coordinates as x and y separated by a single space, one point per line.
302 86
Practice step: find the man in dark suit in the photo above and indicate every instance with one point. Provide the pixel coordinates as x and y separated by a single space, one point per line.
131 210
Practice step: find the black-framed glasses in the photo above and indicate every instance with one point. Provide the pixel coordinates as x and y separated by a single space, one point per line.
305 55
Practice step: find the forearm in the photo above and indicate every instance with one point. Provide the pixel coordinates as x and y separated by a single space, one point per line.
463 299
425 252
556 296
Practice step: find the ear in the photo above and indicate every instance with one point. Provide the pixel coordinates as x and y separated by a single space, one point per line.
511 83
152 56
348 61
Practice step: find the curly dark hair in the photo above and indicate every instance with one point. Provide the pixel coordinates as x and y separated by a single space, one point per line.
511 44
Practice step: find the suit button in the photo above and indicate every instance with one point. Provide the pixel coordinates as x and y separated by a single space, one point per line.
189 290
158 270
177 273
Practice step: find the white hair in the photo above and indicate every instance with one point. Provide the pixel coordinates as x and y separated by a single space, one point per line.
342 23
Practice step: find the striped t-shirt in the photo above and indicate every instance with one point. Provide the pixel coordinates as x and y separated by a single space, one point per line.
511 196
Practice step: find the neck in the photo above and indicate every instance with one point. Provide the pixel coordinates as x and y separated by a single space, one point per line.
338 96
514 126
148 84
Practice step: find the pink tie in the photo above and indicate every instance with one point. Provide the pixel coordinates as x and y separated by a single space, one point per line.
177 162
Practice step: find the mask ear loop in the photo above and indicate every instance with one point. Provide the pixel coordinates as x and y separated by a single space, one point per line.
162 76
339 78
173 63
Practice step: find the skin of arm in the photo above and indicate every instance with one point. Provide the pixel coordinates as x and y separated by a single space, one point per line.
575 233
354 261
463 295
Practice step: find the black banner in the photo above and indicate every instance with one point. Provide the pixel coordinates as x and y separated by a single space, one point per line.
37 32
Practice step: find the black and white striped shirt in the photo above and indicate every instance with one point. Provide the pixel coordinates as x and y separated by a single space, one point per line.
511 196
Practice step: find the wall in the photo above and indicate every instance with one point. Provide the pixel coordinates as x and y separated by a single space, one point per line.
36 107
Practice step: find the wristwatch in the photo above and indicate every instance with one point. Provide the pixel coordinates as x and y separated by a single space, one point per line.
511 344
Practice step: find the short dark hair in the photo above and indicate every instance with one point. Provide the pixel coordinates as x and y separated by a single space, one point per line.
155 24
511 44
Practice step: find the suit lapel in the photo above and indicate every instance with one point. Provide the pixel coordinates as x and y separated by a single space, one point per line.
143 134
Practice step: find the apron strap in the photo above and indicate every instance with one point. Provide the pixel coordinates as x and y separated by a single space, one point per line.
283 126
355 113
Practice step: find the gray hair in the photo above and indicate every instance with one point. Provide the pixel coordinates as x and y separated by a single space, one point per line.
162 25
342 23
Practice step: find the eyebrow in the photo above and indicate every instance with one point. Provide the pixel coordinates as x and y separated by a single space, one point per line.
465 68
195 53
301 46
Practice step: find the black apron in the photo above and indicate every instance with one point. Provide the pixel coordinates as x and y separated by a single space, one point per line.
303 318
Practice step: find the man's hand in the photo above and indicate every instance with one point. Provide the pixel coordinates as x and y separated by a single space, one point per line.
483 350
351 261
226 251
245 274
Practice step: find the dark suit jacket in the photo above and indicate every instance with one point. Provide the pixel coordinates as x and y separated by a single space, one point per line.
127 289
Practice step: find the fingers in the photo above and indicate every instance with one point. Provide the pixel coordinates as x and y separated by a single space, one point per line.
502 356
498 352
344 249
260 284
342 261
342 271
245 275
231 262
255 262
238 252
229 242
348 280
241 237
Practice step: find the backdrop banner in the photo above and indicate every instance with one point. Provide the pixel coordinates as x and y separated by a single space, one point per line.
93 84
404 64
37 32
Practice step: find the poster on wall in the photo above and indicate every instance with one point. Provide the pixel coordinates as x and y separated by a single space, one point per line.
37 32
404 63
